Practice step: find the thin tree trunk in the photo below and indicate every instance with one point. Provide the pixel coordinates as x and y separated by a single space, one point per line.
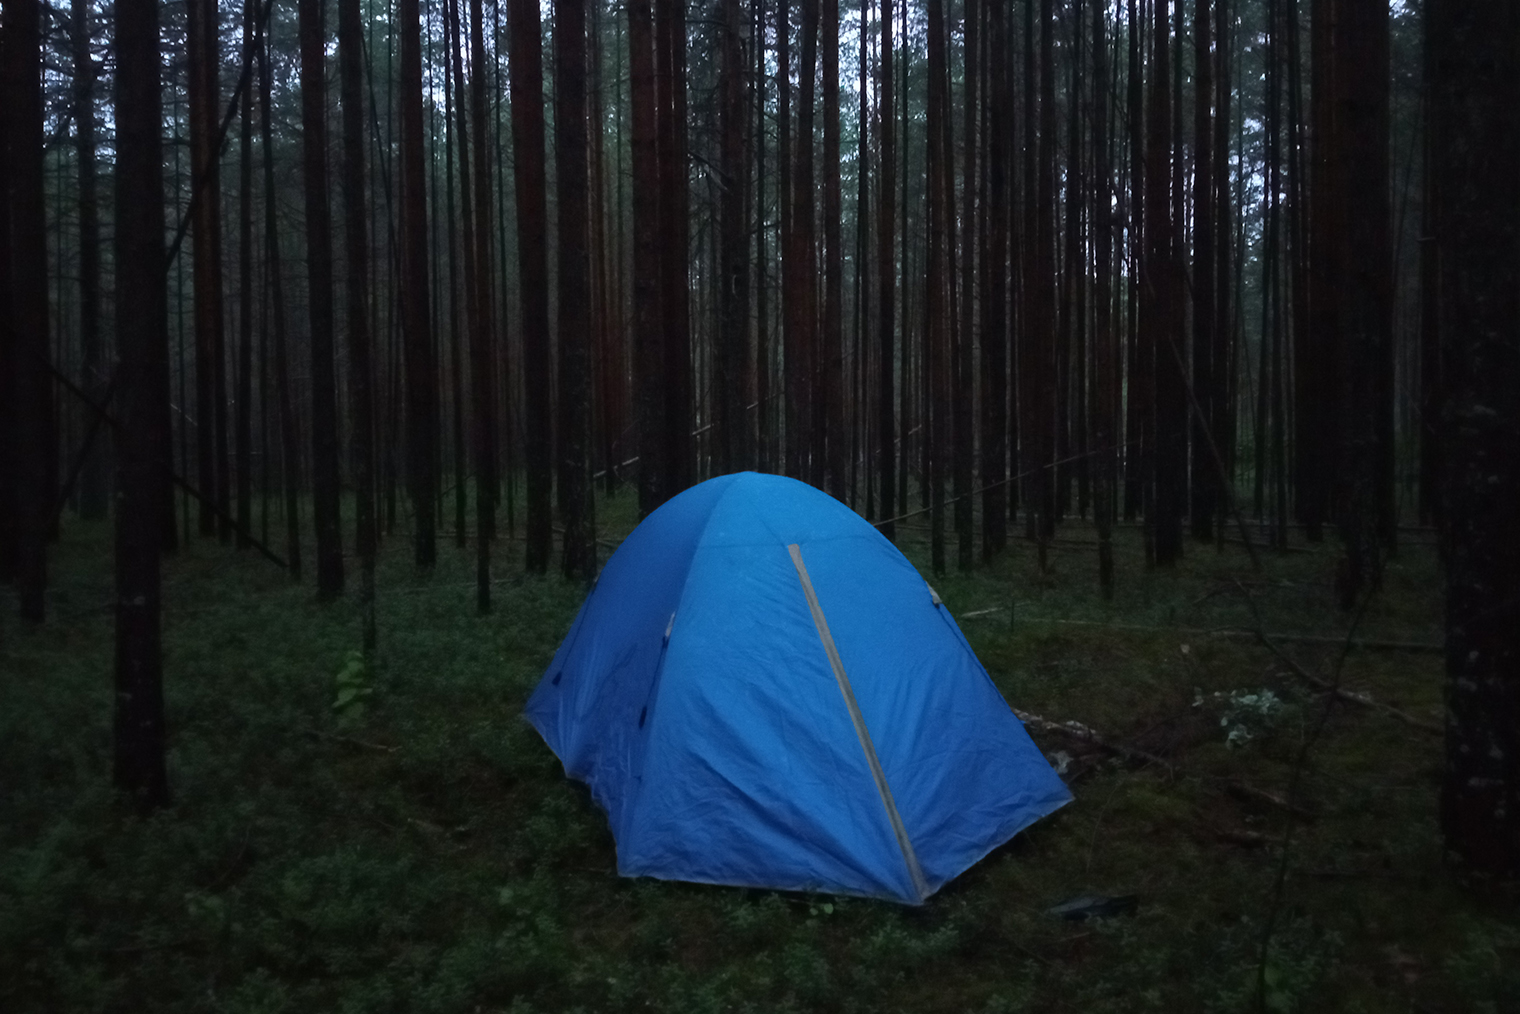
648 333
830 421
289 456
356 250
994 304
421 371
886 266
732 352
94 484
483 326
579 556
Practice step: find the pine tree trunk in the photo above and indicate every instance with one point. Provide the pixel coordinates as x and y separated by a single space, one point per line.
579 557
830 421
31 384
1105 360
324 405
94 484
416 328
1475 100
243 428
1364 321
1205 486
994 287
483 326
356 250
1169 456
289 456
732 351
142 444
648 333
670 62
533 271
886 267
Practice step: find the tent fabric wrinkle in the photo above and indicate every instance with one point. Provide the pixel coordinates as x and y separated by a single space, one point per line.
748 718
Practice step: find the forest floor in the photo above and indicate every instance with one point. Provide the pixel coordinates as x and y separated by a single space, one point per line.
429 855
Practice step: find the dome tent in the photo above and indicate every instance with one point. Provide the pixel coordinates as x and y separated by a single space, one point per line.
762 691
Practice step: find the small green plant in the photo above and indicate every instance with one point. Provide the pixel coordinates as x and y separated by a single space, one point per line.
1245 715
354 685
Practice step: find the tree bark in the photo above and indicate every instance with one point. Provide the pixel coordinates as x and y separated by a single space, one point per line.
30 380
324 406
356 250
579 556
1475 99
886 267
142 444
421 371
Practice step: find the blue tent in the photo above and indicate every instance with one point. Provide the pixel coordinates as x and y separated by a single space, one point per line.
762 691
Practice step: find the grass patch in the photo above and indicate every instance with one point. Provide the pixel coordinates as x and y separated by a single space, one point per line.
426 853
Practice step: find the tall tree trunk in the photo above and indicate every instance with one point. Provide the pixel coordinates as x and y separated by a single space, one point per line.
324 395
1105 360
142 443
1474 76
1170 450
243 429
886 266
533 270
356 250
1039 360
1364 323
202 61
972 221
94 484
31 384
1205 487
483 328
670 62
579 558
421 371
648 333
732 351
289 440
994 287
831 416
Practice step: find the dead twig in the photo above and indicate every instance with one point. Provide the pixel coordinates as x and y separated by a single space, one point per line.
333 737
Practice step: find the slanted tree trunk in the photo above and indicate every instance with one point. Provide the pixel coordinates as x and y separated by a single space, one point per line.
579 557
1474 77
142 444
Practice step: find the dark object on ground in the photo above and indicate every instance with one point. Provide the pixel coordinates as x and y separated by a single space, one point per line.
1095 907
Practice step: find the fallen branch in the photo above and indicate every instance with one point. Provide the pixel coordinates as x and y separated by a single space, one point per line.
1085 734
1335 690
1240 790
1239 632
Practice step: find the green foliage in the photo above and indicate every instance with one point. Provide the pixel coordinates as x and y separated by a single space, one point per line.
354 687
436 859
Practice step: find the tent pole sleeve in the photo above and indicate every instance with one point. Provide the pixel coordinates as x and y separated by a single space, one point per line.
909 857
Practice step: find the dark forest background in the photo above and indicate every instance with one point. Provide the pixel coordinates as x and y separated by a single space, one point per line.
1188 285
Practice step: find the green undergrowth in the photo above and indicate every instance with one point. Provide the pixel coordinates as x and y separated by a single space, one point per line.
394 837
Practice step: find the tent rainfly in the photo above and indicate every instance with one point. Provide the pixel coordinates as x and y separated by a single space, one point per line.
762 691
